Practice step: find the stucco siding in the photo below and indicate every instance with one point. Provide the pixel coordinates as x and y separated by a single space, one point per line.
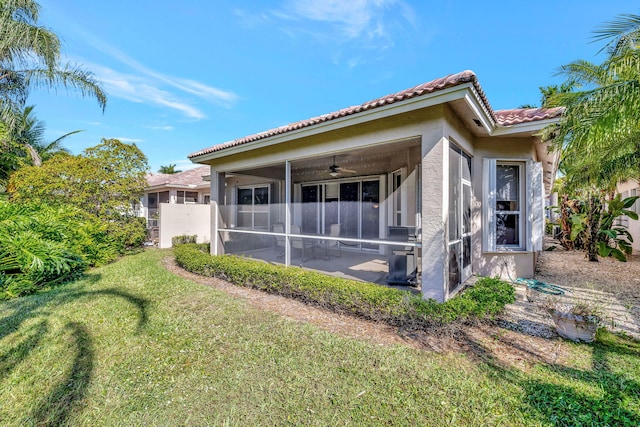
632 225
176 220
507 263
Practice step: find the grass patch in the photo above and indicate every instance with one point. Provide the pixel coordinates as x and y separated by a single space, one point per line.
132 344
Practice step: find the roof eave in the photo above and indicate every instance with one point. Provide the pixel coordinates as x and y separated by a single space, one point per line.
466 91
177 186
527 127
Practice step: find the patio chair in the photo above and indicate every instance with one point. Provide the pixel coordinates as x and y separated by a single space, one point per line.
279 240
334 231
298 242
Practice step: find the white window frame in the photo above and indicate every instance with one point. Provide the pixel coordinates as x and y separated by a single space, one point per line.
524 211
398 205
251 209
184 197
636 205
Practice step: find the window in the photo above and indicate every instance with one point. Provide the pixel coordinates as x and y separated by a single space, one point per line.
396 180
253 207
636 205
623 220
513 218
508 204
152 200
163 197
206 199
187 197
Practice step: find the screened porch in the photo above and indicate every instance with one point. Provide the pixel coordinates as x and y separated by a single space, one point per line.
350 214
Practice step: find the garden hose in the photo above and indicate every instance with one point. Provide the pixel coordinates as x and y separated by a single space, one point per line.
545 288
536 285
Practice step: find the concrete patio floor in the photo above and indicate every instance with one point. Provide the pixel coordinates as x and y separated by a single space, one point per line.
357 265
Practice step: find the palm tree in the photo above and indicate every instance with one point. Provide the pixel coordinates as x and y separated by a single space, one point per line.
28 135
599 134
29 57
169 170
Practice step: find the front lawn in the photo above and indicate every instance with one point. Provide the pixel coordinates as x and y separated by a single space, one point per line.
132 344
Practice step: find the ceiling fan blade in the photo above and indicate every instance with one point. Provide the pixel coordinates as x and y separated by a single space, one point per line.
339 169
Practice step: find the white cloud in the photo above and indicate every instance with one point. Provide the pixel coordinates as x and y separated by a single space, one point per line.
349 30
220 96
184 164
355 19
142 90
144 85
129 140
161 127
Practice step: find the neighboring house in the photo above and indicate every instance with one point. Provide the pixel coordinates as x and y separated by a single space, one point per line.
177 204
628 189
425 186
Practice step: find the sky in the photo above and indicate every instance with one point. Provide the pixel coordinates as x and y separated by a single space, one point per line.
183 76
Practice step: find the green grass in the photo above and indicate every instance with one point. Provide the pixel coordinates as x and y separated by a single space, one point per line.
132 344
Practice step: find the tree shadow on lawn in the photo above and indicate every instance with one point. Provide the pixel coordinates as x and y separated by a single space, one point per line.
56 407
566 396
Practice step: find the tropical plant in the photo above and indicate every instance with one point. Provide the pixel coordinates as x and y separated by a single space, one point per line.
614 238
28 137
599 133
106 180
30 57
169 170
598 230
42 245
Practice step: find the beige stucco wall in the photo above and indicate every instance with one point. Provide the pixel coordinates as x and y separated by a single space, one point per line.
503 264
633 225
176 220
436 127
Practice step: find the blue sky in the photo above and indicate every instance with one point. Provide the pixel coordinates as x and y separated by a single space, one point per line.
182 76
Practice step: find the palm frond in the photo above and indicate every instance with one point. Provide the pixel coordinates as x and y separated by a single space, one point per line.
622 33
70 77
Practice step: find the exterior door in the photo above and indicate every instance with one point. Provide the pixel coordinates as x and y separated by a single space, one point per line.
460 196
355 205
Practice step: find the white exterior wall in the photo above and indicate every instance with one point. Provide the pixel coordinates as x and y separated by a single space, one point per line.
190 219
633 226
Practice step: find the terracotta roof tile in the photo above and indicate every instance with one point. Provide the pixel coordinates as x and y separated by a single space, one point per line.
524 115
505 118
186 178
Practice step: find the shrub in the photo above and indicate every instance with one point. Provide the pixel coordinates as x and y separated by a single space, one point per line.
127 233
41 246
368 300
183 239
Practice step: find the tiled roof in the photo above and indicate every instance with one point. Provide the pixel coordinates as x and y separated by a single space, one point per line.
505 117
187 178
526 115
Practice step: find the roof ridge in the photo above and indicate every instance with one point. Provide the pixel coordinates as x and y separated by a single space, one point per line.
441 83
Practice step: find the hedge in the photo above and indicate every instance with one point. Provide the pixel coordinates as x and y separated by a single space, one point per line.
486 298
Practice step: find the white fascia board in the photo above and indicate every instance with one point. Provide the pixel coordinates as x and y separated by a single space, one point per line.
176 186
479 110
436 98
529 127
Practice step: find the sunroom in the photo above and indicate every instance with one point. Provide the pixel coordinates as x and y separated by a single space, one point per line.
420 189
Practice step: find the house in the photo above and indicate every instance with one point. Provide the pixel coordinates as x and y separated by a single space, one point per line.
628 189
177 204
423 187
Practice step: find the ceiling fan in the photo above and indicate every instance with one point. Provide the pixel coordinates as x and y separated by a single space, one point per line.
334 170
